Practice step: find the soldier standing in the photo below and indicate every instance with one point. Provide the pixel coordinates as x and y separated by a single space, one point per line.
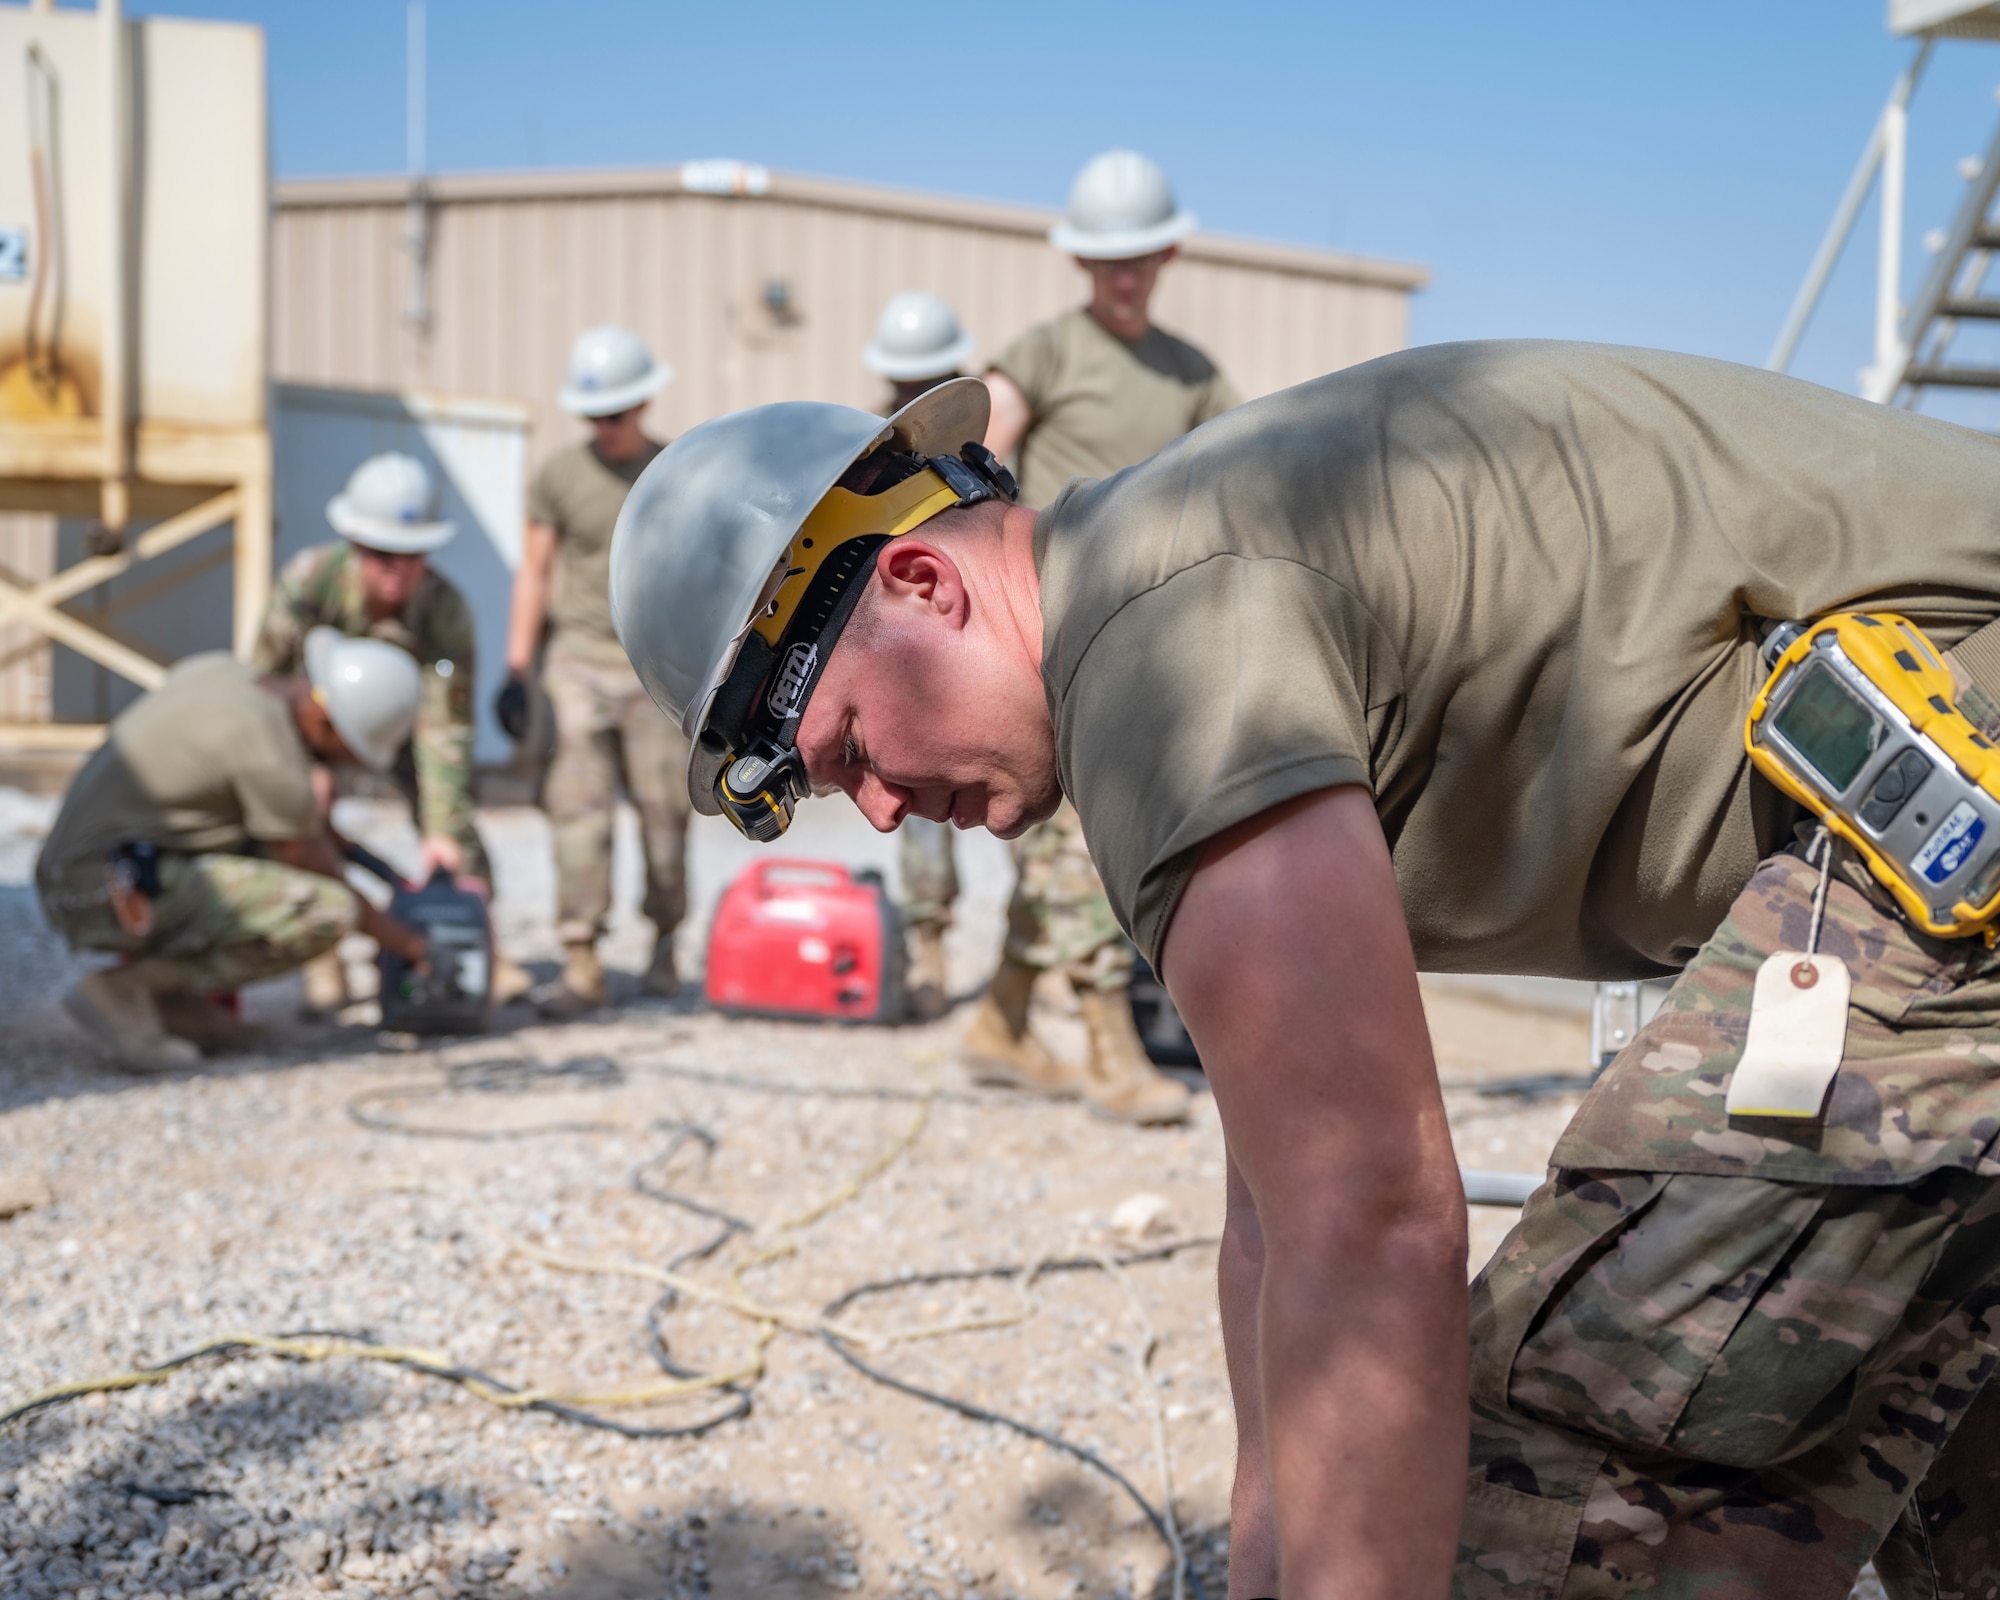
376 582
1095 390
195 845
607 732
918 345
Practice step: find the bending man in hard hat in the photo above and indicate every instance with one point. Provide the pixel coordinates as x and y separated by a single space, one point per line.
918 345
607 733
194 844
1445 660
376 581
1094 391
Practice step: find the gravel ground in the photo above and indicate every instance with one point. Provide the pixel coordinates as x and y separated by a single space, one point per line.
340 1179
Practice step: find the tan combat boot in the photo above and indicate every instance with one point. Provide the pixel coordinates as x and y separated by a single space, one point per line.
511 980
999 1049
206 1024
663 982
1124 1084
117 1009
582 985
927 986
326 983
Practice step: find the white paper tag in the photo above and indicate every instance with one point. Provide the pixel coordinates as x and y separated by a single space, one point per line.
1798 1028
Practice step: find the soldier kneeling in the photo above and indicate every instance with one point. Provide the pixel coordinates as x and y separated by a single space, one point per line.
195 843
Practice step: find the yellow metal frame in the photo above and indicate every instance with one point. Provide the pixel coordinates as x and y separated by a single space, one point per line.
197 479
1899 660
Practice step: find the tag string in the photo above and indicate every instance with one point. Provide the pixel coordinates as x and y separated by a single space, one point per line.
1821 846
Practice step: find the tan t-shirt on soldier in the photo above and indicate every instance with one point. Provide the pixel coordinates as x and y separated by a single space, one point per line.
1515 589
579 495
207 761
1099 404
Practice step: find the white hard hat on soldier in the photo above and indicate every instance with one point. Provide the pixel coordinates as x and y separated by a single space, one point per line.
708 520
611 370
370 690
1120 206
917 337
388 505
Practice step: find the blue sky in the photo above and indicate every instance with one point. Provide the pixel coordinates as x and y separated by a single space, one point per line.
1650 174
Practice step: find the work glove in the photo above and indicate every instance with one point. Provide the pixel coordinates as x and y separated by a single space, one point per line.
510 707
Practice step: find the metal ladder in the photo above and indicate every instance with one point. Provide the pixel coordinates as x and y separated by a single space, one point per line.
1954 291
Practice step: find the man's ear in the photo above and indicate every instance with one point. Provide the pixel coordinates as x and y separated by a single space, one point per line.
913 571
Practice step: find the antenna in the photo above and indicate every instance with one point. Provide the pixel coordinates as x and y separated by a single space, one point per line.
418 234
413 89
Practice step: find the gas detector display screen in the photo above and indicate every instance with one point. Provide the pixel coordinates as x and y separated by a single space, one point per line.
1829 727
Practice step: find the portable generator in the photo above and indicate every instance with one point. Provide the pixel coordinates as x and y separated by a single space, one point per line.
455 994
806 939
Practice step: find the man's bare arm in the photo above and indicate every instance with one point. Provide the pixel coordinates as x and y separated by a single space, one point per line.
530 607
1253 1527
321 854
1011 417
1290 962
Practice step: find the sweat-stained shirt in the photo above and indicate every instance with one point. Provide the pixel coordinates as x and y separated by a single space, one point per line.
1098 404
1517 591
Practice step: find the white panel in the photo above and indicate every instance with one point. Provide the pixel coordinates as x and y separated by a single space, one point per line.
477 453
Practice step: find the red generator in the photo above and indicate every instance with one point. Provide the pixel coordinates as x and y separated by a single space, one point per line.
806 939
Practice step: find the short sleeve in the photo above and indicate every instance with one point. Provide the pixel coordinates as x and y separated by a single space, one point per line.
544 500
1032 361
1234 686
1217 396
277 798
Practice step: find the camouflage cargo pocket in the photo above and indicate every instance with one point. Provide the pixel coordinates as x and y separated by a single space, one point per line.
1712 1288
1919 1083
1724 1319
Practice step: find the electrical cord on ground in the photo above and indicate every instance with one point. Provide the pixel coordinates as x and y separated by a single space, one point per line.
650 1178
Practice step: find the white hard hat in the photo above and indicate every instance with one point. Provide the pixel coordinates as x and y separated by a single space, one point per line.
370 690
742 549
611 370
917 337
388 505
1120 206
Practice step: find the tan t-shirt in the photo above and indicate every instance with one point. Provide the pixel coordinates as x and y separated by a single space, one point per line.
207 761
1517 590
1099 405
579 495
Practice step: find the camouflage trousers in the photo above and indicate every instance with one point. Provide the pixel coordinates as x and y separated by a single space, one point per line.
610 735
1742 1359
221 920
1059 916
929 871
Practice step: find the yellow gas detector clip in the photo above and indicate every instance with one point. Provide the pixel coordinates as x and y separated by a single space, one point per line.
1858 722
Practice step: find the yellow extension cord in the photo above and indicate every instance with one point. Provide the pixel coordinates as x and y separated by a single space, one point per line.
735 1298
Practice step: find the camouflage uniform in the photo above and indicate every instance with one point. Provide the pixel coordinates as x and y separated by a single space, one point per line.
223 920
1734 1360
1059 915
607 732
930 873
322 587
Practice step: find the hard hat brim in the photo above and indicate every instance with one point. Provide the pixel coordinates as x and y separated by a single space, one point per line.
706 516
953 357
1122 244
320 644
609 402
392 538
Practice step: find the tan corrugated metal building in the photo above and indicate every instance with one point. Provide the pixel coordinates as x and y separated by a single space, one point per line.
756 286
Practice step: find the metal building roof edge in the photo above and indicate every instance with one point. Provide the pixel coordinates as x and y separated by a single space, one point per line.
303 194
